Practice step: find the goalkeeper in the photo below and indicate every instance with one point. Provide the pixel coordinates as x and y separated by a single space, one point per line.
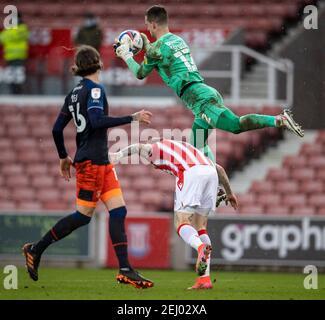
171 57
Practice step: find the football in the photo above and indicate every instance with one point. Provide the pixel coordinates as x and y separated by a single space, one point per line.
133 37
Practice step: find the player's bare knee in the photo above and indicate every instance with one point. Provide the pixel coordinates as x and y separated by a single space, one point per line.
87 211
182 218
200 222
114 202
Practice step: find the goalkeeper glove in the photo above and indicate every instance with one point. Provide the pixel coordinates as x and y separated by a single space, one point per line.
123 51
221 197
146 42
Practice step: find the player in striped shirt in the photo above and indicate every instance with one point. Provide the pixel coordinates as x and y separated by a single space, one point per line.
197 182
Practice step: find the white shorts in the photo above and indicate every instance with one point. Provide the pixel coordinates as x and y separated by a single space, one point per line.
199 192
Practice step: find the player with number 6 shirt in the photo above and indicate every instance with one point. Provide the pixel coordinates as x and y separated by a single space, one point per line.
87 106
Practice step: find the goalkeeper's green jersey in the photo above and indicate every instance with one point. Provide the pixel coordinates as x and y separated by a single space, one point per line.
171 57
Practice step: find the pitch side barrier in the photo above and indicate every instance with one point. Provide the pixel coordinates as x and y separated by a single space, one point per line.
20 227
149 240
266 241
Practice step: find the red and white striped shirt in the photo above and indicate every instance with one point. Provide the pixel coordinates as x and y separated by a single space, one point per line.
175 157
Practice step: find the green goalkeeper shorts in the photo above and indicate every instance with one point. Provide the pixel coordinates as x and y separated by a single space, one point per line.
205 102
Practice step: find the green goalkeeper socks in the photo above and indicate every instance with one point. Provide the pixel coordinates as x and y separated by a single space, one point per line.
230 122
199 136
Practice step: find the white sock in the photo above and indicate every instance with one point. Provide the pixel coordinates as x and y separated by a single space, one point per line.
190 236
206 240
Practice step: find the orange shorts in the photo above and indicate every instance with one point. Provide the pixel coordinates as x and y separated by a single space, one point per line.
96 182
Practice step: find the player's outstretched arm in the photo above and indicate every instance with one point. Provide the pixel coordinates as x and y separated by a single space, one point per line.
99 120
224 180
124 153
143 150
140 71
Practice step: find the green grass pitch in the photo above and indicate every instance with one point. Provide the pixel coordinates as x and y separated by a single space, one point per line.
64 284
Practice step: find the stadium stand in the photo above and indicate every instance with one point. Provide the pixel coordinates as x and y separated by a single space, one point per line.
29 172
259 18
297 188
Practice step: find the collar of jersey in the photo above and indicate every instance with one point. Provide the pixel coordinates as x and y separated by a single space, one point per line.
165 35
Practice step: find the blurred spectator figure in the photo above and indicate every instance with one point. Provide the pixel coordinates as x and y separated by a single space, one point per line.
90 32
15 51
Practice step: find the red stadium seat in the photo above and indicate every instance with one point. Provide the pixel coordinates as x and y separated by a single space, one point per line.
309 149
286 187
35 169
321 211
304 211
25 143
20 194
136 208
262 186
278 174
303 174
310 187
32 120
5 144
42 181
227 210
41 131
48 194
294 200
7 156
7 205
167 184
11 169
17 180
30 206
53 9
317 162
321 137
252 210
294 162
50 158
5 194
277 210
267 199
131 196
321 174
271 110
317 200
155 198
68 195
13 120
54 205
18 132
29 155
125 183
255 38
246 199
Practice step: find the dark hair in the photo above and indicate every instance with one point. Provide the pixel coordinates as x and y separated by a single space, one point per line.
157 14
86 61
